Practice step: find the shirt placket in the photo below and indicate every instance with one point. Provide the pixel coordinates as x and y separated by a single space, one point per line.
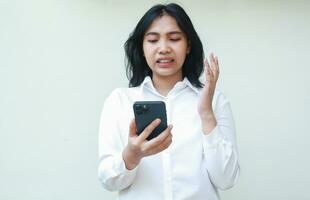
166 160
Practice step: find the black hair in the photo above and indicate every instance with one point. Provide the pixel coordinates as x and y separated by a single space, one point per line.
136 66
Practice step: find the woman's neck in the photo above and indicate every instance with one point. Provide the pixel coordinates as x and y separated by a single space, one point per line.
163 84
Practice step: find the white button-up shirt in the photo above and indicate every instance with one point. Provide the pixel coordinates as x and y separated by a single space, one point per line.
194 166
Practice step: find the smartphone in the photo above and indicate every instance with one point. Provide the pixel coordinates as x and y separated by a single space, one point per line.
146 112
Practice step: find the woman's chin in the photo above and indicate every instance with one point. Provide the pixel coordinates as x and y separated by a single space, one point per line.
164 73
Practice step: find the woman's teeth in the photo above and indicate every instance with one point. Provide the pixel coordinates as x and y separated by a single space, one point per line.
164 61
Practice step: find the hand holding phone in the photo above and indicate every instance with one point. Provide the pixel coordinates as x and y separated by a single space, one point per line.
139 147
154 135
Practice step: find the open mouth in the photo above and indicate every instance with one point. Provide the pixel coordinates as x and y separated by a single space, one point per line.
165 61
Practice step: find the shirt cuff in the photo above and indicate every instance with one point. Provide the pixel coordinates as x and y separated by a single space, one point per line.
212 139
121 167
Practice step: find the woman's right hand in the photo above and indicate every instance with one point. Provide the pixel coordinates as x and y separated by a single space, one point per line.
138 147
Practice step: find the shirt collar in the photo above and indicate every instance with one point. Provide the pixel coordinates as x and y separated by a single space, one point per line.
189 84
147 83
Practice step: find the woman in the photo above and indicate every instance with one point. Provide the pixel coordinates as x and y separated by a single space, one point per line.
198 155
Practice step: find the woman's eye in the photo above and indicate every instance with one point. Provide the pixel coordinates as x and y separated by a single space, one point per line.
175 39
152 41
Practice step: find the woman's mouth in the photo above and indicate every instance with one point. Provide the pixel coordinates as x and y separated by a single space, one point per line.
165 62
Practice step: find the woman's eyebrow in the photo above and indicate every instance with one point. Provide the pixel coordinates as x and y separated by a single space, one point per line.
175 32
169 33
152 33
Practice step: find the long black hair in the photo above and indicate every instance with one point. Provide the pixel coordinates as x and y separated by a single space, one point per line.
136 66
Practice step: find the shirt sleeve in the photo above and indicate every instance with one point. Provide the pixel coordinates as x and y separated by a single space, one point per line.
112 172
220 148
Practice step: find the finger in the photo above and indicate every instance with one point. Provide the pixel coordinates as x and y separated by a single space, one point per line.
216 69
216 61
162 146
132 129
206 62
148 130
208 72
213 62
160 138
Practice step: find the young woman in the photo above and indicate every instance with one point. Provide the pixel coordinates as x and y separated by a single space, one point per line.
197 154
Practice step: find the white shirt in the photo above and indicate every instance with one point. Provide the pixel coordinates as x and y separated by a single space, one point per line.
194 166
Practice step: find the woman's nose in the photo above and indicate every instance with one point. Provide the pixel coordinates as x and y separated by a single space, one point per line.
164 48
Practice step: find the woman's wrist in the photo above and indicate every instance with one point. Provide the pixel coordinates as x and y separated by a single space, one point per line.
208 121
130 158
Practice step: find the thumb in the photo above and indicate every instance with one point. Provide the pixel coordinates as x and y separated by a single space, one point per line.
132 128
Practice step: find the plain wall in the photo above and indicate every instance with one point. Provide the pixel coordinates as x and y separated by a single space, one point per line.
60 59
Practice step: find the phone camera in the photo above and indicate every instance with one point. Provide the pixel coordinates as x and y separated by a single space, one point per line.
140 109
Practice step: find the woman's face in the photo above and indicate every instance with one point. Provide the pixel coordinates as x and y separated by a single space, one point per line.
165 47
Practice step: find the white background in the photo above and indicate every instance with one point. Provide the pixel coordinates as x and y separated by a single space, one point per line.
59 59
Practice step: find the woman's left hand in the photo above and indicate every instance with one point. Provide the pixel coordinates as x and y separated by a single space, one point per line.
205 104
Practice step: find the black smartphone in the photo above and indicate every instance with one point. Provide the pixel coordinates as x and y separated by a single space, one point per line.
146 112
